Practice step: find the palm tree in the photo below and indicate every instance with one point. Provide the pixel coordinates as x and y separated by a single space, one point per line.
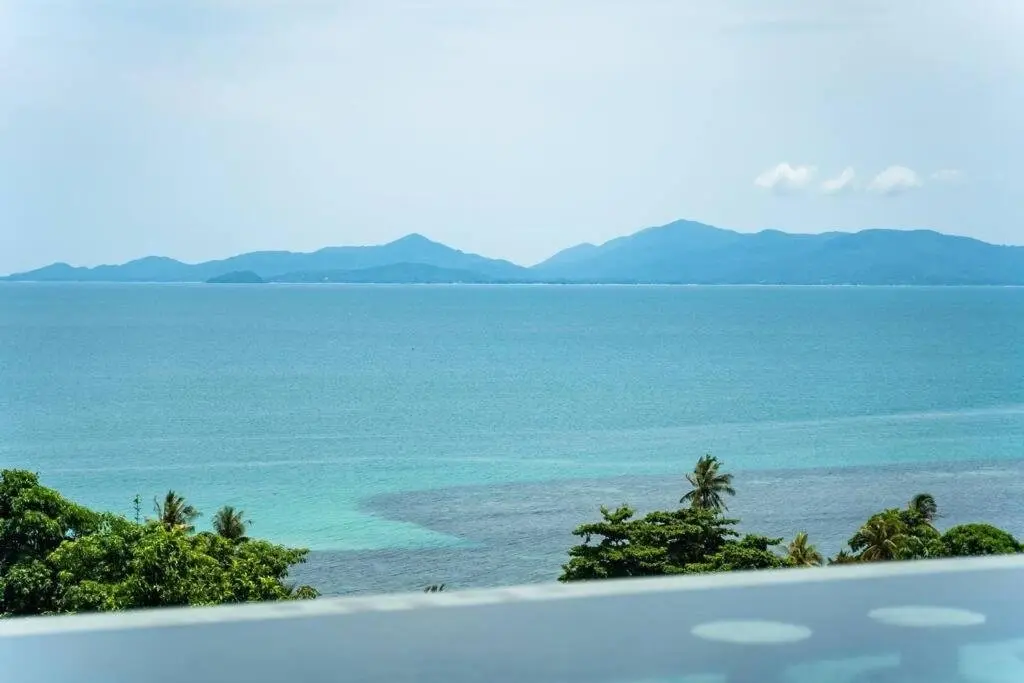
230 523
925 506
803 554
883 537
174 512
843 557
708 485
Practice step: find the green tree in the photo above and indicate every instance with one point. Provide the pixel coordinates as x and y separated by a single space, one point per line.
230 523
127 565
303 593
57 556
708 485
968 540
896 534
34 521
843 557
254 571
628 547
883 537
750 552
174 512
801 553
656 544
925 506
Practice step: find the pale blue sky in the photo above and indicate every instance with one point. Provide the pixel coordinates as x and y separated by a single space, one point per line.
203 128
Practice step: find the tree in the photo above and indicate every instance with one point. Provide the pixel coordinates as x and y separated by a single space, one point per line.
656 544
896 534
750 552
883 537
925 506
801 553
127 565
58 557
174 512
254 571
708 485
968 540
699 539
34 522
628 547
303 593
843 557
926 538
230 523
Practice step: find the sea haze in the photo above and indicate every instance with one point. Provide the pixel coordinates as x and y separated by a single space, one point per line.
414 434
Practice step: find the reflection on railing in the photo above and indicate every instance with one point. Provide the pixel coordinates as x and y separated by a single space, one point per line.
936 621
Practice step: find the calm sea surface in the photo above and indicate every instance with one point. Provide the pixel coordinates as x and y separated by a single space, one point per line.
411 435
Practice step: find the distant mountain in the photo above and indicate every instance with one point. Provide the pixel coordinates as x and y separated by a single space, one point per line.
267 264
683 252
568 256
237 277
396 273
694 253
148 269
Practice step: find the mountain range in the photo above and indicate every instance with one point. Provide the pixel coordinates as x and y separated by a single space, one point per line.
682 252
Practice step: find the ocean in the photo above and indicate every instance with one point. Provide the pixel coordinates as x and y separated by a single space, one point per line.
411 435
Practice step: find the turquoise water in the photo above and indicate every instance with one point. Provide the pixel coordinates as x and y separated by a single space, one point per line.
376 424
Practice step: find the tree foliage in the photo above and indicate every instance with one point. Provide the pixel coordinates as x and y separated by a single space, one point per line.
659 543
230 523
750 552
174 512
801 553
687 540
969 540
925 506
708 485
697 538
57 557
885 536
844 556
908 534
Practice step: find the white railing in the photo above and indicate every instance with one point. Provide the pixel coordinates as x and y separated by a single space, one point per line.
935 621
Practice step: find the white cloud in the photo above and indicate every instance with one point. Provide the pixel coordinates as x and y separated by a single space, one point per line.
786 178
895 180
841 183
948 175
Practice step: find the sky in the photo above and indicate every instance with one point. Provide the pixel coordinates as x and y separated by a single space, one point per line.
198 129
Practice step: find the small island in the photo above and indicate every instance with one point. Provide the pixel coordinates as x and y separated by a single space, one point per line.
237 277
